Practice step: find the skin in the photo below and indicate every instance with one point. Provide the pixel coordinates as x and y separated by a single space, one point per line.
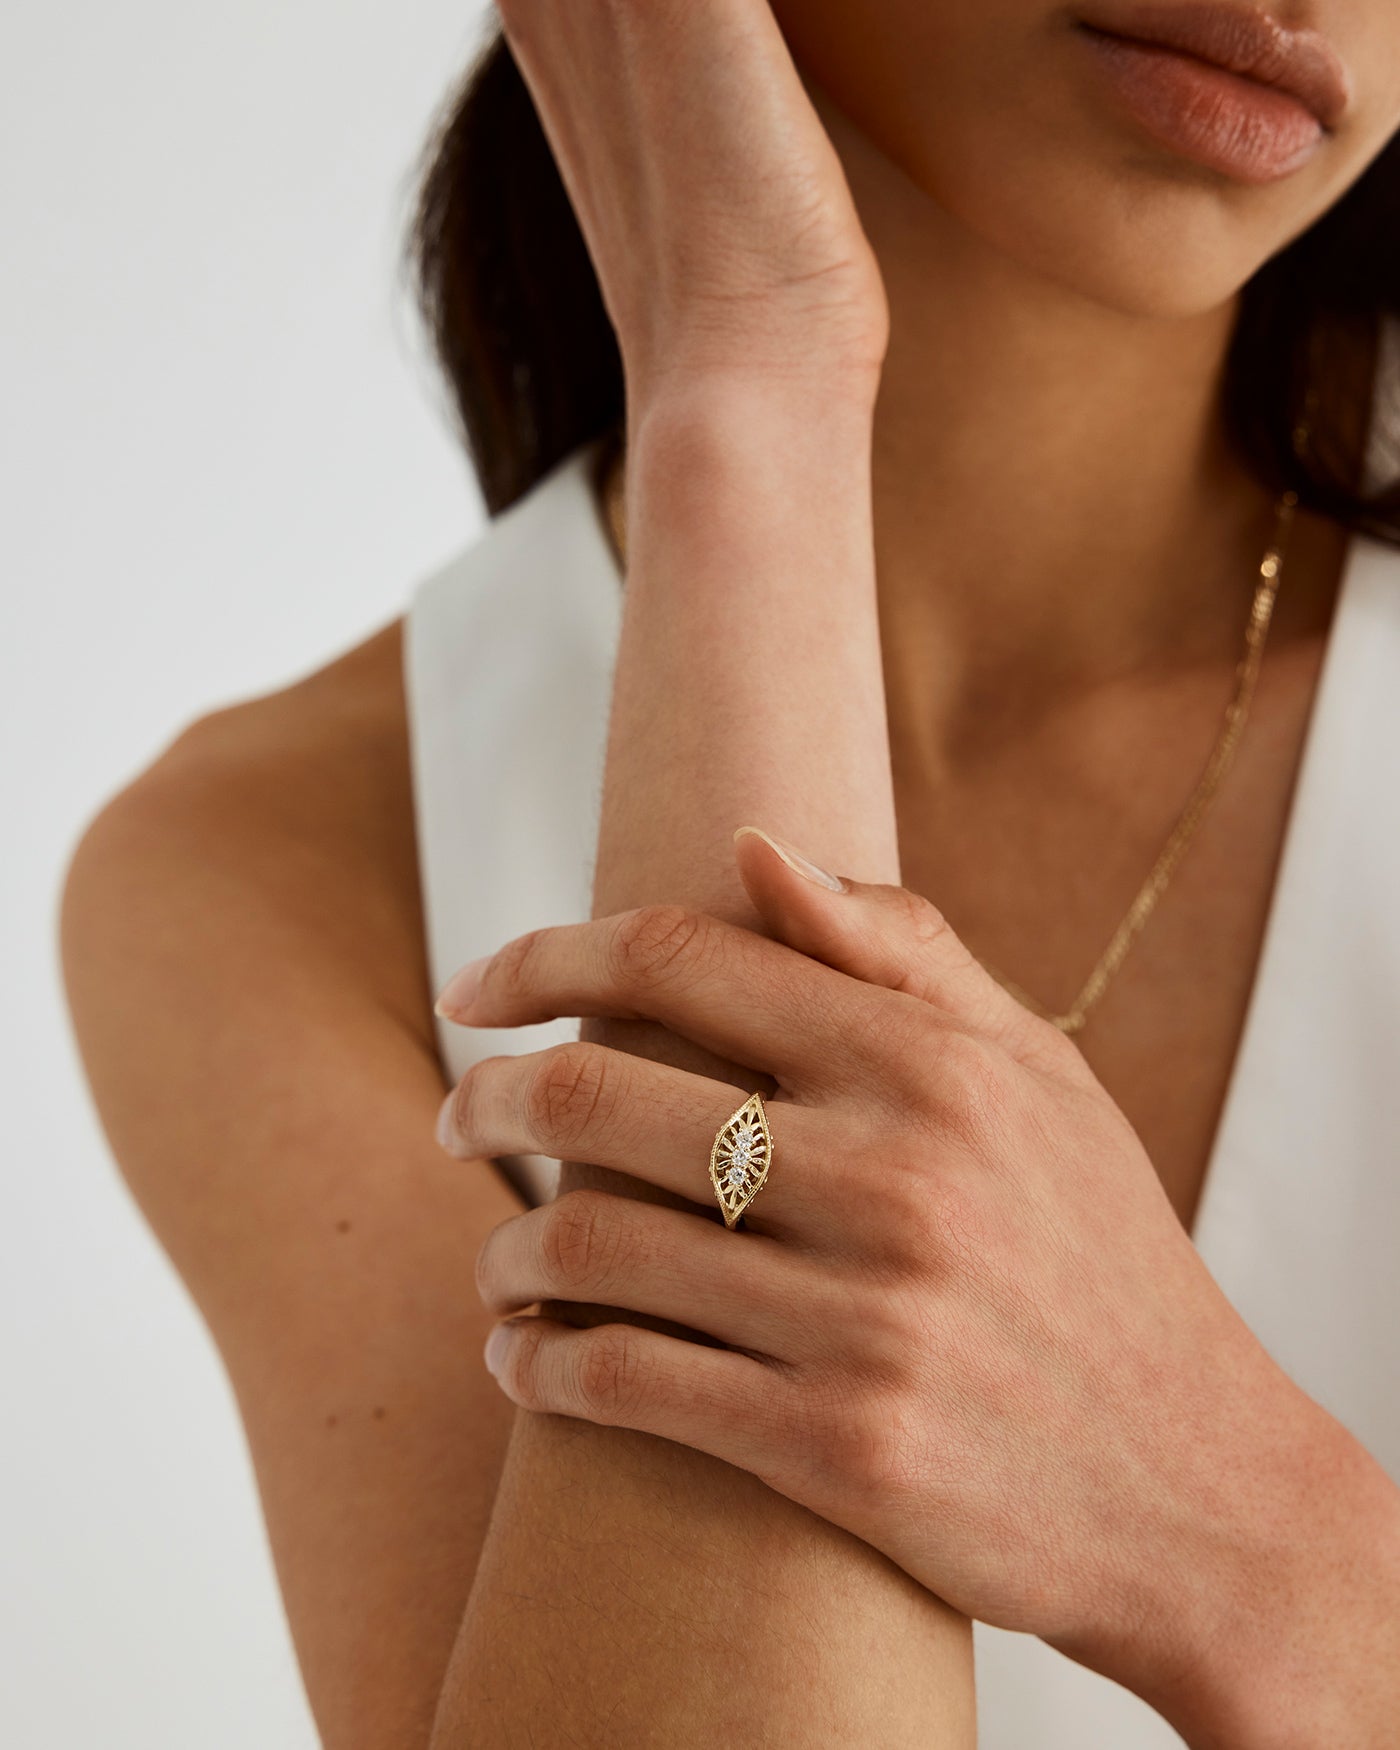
1055 676
1045 675
252 899
962 1321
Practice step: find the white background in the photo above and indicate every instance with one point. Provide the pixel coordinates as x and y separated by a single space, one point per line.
223 460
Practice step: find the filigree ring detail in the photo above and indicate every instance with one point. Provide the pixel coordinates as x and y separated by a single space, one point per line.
740 1158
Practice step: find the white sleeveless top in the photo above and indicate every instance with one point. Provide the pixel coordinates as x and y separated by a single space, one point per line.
508 660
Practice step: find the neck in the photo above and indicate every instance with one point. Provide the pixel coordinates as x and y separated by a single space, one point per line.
1055 503
1056 507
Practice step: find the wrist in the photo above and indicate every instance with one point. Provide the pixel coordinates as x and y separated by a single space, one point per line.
752 419
1279 1626
817 392
745 493
1319 1660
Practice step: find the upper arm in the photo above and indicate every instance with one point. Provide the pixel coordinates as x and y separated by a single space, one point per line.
243 960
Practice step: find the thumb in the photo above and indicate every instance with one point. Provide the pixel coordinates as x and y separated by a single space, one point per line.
879 933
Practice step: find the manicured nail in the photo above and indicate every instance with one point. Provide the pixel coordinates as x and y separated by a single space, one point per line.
458 993
795 860
496 1345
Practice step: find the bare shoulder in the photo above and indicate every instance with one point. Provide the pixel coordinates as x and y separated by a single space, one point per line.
297 802
243 956
247 903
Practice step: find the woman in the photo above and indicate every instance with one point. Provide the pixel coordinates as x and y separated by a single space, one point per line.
994 388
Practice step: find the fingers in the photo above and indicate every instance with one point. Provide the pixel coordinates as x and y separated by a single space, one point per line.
588 1102
660 114
751 1000
732 1406
881 934
746 1289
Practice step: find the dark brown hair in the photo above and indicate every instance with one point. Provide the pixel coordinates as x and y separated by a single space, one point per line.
512 305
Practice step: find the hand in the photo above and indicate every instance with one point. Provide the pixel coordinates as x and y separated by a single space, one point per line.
711 198
963 1322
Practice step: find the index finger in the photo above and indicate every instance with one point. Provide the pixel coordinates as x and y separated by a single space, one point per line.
750 999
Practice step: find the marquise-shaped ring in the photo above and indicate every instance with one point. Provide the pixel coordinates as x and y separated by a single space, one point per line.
740 1158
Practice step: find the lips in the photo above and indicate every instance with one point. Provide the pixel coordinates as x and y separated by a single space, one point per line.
1300 63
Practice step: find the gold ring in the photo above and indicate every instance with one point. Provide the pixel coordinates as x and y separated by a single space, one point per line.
740 1158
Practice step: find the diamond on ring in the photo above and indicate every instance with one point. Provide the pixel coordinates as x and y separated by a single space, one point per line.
740 1157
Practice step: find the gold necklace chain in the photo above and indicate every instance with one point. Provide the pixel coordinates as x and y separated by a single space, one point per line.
1221 758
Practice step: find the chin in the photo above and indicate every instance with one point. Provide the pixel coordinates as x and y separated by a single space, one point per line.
997 115
1121 235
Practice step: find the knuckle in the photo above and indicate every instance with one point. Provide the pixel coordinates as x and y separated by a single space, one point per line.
967 1088
918 921
919 1211
914 1035
1049 1050
890 1214
931 930
653 942
582 1243
925 923
935 937
877 1338
863 1443
611 1372
936 941
886 1172
567 1093
888 1033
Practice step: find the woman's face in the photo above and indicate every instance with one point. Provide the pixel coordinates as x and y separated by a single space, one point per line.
1006 114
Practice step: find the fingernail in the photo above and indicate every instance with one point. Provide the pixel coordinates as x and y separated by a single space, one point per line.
457 994
445 1127
496 1345
795 860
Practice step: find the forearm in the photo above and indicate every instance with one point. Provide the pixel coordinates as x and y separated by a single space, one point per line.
749 686
633 1590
